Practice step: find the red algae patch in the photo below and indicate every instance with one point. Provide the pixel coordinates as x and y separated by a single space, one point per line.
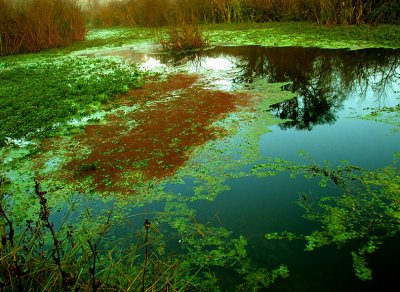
164 133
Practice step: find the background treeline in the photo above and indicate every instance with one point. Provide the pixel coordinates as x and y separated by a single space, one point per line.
34 25
162 12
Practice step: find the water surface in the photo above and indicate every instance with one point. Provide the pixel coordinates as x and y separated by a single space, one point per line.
333 88
189 145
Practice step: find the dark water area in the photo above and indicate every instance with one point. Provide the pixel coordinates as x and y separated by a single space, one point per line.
333 89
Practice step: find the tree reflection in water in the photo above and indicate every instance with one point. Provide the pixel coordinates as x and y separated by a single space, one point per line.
322 78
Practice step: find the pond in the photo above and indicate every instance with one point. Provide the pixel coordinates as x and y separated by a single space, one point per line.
333 87
332 90
219 148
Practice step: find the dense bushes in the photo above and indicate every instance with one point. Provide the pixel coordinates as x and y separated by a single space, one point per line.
161 12
34 25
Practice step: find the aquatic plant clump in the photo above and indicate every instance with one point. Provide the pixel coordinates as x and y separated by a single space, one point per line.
152 141
40 254
365 213
185 37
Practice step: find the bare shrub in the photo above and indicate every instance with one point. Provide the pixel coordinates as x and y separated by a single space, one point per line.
331 12
113 13
34 25
184 32
130 12
185 37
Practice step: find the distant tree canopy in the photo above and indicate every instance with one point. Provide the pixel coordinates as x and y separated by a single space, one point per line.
162 12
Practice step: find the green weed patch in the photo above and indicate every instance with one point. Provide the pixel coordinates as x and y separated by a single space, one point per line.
36 96
304 34
365 213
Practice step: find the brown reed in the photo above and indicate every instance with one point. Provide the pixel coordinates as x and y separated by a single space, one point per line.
32 25
159 12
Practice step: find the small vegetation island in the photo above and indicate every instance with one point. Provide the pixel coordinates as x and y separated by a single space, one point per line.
199 145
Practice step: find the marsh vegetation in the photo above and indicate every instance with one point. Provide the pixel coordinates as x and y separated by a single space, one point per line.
201 147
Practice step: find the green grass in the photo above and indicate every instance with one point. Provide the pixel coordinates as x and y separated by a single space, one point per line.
117 36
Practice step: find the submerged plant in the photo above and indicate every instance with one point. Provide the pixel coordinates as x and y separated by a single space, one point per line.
83 252
205 248
367 211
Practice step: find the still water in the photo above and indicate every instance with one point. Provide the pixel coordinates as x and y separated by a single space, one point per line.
333 89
